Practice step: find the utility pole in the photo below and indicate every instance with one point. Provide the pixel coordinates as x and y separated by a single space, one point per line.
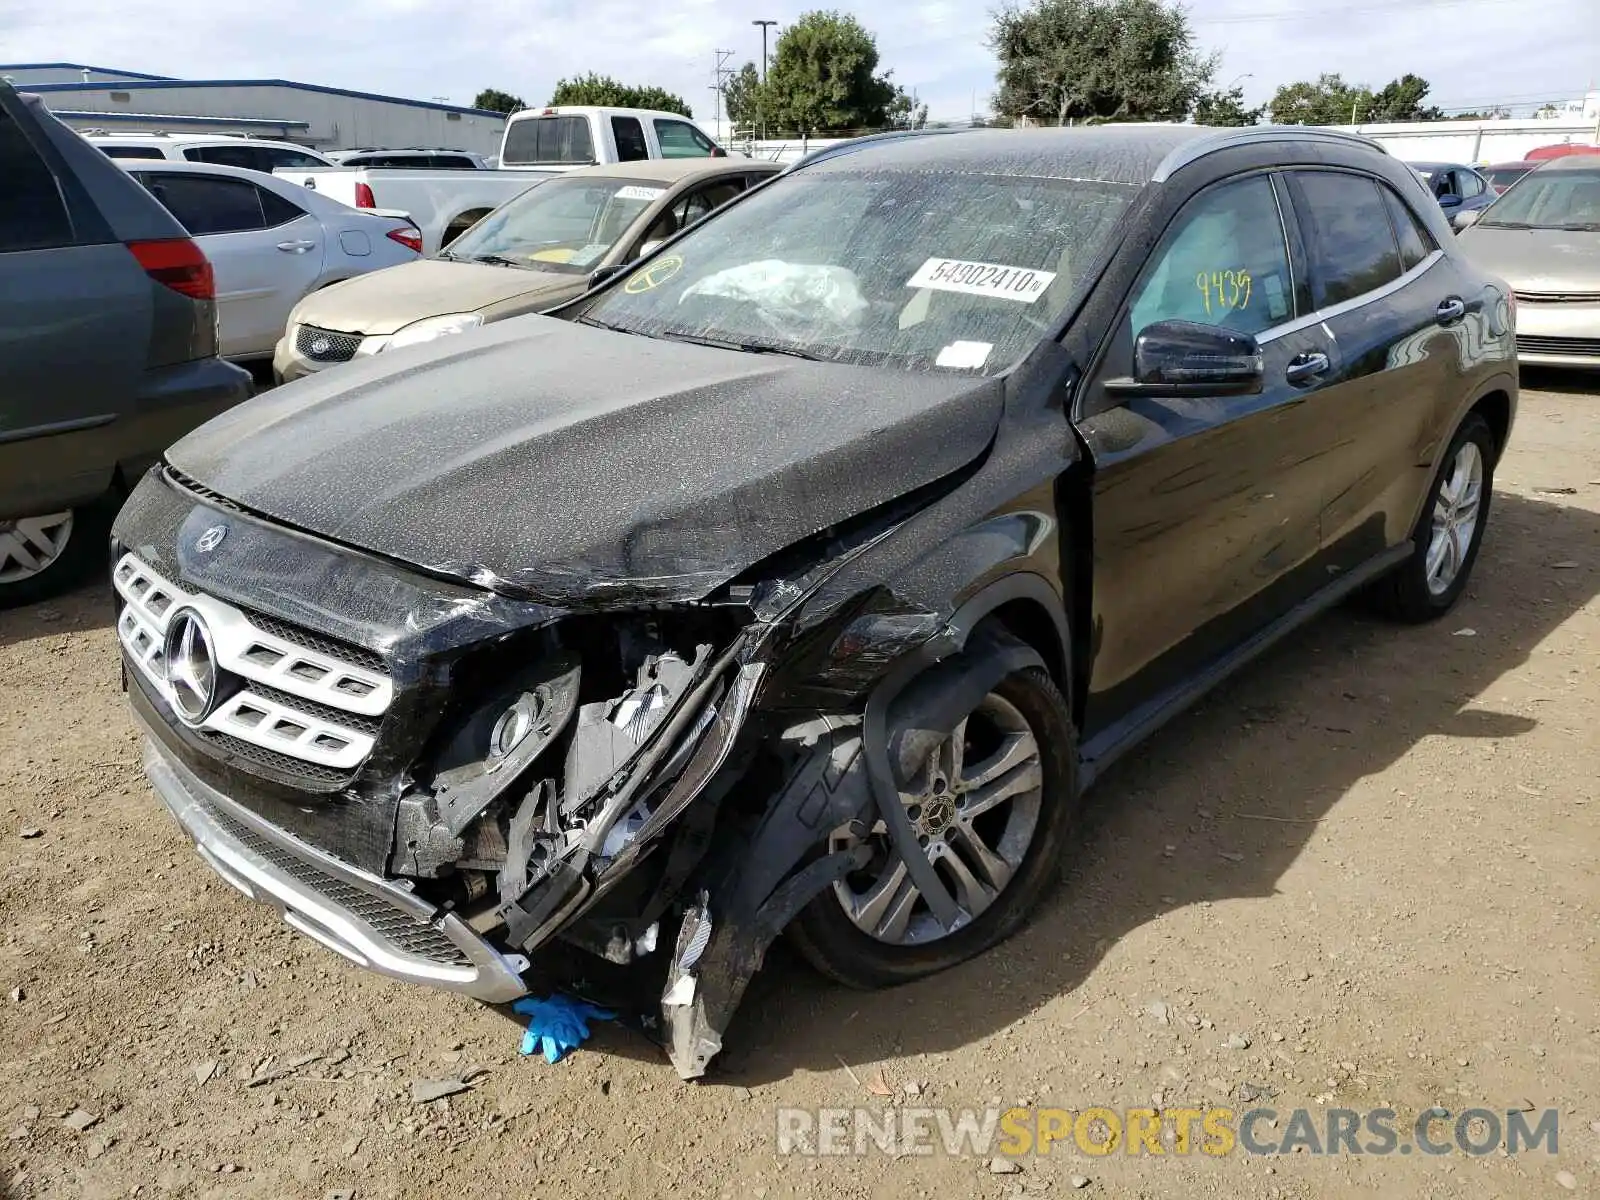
719 80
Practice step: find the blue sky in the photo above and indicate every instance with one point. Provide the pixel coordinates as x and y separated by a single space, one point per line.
1474 52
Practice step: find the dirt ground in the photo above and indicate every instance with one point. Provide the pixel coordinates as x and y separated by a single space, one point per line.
1372 857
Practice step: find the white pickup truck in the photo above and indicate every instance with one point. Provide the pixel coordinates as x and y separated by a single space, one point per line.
538 142
443 203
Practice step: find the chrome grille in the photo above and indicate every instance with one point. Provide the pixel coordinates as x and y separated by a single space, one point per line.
1532 344
1557 297
326 345
301 699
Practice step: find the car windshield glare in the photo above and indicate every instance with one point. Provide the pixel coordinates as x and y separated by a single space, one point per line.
563 225
1550 200
916 270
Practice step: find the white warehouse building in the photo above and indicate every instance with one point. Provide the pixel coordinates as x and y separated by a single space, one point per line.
324 118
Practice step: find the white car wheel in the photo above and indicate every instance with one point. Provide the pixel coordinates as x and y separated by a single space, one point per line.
30 546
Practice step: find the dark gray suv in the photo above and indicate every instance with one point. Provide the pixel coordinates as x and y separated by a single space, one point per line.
108 343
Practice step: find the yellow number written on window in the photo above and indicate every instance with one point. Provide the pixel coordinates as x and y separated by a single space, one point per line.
1224 291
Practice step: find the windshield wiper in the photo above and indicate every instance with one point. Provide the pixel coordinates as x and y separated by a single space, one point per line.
447 256
495 260
743 347
1506 224
1578 227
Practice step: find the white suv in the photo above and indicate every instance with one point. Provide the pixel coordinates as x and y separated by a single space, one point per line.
416 160
253 154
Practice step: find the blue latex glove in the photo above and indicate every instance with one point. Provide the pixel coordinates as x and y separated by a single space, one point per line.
558 1024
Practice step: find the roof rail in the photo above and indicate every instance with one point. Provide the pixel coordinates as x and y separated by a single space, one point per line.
1182 156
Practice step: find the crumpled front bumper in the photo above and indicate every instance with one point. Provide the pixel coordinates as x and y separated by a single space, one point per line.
373 922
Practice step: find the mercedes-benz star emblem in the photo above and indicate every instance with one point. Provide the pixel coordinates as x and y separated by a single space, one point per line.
321 346
190 666
211 539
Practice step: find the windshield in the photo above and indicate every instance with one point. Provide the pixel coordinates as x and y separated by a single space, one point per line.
910 269
565 225
1550 200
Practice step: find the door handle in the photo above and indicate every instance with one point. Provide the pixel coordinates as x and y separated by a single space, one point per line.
295 247
1450 311
1307 366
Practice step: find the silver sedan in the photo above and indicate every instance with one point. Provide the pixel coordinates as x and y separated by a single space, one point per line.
271 243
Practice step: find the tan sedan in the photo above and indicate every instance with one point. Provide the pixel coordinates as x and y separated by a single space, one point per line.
528 256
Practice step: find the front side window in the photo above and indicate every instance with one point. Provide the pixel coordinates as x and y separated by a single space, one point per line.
1224 262
535 140
207 204
918 270
33 214
1550 199
452 162
565 225
1352 247
1470 184
629 136
276 156
679 139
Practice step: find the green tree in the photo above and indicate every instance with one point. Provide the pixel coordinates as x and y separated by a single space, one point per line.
824 77
1401 100
1226 107
741 97
1329 100
495 100
1129 60
610 93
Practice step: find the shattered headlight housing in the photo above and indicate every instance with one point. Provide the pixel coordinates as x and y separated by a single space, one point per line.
429 328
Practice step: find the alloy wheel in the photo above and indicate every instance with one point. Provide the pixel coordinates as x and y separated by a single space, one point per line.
30 546
1455 519
975 807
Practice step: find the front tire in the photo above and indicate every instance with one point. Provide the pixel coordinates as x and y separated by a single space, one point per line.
995 813
1449 531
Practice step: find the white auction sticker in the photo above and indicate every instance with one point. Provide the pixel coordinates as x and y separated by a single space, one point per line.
964 356
634 192
982 279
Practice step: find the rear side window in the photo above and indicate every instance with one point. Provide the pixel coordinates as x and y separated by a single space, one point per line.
248 157
549 140
1416 243
205 204
1347 231
679 139
33 214
1223 262
629 135
452 162
133 151
275 210
276 156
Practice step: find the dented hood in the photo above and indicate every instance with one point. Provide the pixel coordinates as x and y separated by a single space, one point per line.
578 465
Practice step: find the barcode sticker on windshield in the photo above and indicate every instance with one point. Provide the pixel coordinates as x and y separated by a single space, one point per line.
634 192
982 279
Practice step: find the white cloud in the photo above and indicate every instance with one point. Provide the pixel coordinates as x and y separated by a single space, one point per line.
1473 51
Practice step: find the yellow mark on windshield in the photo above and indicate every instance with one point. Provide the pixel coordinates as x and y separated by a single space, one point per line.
653 275
1224 291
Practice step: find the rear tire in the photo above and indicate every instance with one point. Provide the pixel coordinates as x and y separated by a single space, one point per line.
44 556
839 948
1428 584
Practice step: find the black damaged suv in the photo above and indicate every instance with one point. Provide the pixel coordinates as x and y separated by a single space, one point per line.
802 578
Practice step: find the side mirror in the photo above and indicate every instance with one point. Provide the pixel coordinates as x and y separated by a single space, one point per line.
1449 201
1463 219
606 274
1185 358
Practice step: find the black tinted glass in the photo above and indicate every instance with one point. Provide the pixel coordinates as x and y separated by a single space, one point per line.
1415 242
32 213
629 135
1352 246
208 205
275 210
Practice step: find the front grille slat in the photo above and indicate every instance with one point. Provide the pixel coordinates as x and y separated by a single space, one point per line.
326 345
293 702
1557 297
1535 344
